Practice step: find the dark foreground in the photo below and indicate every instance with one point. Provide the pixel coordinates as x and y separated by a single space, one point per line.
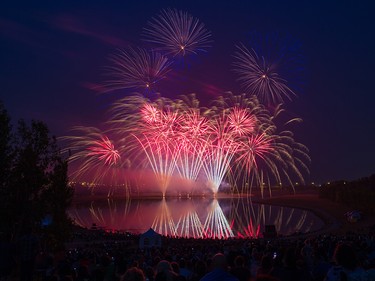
98 255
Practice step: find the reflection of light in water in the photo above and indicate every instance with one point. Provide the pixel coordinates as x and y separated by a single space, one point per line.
108 216
247 218
216 224
236 217
244 218
189 225
163 222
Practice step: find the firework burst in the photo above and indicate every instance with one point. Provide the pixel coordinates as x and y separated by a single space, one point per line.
95 157
177 33
137 68
260 77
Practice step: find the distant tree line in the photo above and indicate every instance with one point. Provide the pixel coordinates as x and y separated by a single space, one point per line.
34 189
358 194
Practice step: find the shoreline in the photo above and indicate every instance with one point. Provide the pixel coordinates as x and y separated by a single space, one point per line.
331 213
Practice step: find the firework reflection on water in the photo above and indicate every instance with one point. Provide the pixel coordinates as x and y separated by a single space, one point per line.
194 217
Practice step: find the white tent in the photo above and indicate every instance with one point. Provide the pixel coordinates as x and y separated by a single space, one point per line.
150 239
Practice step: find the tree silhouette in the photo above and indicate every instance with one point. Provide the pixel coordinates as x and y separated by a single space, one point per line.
33 180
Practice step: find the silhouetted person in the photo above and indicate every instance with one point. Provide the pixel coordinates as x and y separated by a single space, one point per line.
184 271
133 274
346 268
219 270
289 271
240 270
176 269
265 265
164 272
199 270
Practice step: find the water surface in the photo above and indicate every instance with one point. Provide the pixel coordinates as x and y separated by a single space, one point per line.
197 217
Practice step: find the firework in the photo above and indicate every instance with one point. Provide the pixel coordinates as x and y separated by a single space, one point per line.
104 150
162 159
137 68
269 156
260 77
236 140
285 53
95 157
177 33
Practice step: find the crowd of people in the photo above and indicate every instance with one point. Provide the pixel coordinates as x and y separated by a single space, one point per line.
99 255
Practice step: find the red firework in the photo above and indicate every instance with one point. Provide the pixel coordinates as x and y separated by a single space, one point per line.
104 150
241 121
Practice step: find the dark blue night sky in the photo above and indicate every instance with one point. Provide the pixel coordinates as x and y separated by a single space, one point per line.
53 54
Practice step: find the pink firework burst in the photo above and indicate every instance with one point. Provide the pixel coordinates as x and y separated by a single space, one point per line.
255 147
151 114
104 150
241 121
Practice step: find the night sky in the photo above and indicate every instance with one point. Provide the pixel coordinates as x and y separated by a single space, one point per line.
53 56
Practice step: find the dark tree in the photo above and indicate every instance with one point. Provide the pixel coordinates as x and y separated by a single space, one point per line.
5 168
35 184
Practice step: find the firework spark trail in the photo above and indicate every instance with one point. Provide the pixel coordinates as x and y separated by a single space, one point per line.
193 140
253 150
220 152
268 156
237 138
259 77
177 33
216 224
161 158
217 164
137 68
104 150
241 121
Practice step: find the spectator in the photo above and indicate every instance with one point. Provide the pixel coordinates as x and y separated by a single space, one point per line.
219 270
199 271
239 270
346 267
133 274
164 272
265 266
184 271
176 269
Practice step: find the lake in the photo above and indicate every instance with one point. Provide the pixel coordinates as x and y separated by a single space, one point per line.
194 217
